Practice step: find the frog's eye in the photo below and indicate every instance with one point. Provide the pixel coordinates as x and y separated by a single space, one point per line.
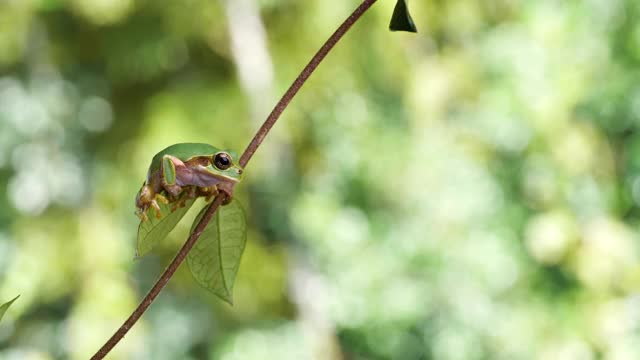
222 161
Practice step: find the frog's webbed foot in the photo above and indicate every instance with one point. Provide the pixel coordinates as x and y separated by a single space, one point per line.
155 205
143 200
146 198
161 198
142 211
189 194
226 188
142 214
208 192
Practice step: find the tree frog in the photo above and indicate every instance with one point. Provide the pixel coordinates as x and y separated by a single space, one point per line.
185 171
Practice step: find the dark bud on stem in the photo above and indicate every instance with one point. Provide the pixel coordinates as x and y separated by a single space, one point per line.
401 19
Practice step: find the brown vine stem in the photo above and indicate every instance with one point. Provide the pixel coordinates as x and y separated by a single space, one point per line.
300 80
244 159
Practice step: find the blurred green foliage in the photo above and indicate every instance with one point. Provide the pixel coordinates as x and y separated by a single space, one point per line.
469 192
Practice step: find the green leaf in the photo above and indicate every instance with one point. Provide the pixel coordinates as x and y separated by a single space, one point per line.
153 230
215 259
4 307
401 19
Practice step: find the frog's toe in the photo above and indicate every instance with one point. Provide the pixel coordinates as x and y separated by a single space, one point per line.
227 200
228 190
208 192
142 215
176 205
192 192
141 212
162 199
155 205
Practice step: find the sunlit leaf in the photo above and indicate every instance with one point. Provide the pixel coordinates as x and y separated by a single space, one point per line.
4 307
155 229
401 19
215 259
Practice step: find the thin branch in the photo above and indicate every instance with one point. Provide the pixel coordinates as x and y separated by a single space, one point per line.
246 156
300 80
162 281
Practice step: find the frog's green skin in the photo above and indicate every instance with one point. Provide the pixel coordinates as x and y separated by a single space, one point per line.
184 171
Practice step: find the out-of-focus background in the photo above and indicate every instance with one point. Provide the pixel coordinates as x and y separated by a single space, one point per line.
469 192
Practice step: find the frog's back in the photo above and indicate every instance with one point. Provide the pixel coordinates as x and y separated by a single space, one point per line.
182 151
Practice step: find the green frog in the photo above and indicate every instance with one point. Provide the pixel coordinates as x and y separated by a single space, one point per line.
186 171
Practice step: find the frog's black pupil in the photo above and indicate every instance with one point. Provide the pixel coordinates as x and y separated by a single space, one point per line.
222 161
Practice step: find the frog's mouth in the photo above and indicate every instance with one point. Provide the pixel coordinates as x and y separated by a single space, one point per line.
210 172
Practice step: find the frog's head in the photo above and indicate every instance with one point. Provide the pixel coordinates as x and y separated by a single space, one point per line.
225 164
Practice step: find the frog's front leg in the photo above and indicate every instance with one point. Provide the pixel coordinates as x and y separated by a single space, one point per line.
227 188
169 170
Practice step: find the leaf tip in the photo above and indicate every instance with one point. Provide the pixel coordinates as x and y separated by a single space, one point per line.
140 252
228 298
4 307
